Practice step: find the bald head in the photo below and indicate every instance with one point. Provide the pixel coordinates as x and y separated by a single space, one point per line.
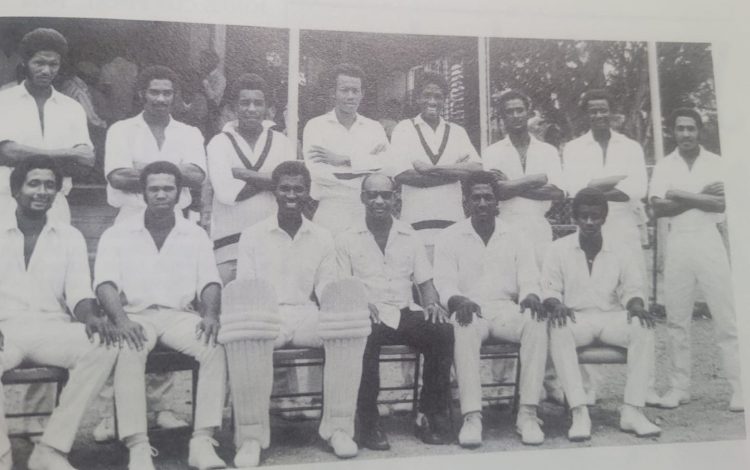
378 182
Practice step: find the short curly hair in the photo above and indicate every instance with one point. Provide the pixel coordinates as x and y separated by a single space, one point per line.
42 39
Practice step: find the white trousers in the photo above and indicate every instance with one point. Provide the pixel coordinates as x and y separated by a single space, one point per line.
608 328
60 344
503 321
699 259
338 214
176 330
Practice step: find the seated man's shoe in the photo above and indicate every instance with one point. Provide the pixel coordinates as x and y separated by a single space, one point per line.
633 420
471 431
580 429
653 399
168 420
674 398
141 457
431 430
105 430
528 426
343 446
735 403
373 437
248 455
6 460
44 457
202 454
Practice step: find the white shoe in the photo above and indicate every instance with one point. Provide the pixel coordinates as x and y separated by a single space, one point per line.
202 454
528 426
6 460
141 457
633 420
580 429
471 431
652 398
248 455
343 446
168 420
735 403
674 398
44 457
105 430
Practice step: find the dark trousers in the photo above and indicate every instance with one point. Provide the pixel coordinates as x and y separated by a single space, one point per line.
433 340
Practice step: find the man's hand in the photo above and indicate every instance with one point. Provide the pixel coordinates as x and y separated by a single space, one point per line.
104 328
636 309
534 304
132 333
714 189
499 175
465 309
374 313
208 328
323 155
435 313
380 148
422 167
558 313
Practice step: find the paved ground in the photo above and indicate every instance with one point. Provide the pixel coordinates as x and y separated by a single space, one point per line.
705 419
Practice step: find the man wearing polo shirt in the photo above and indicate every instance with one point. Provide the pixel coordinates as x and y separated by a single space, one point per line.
149 269
484 268
598 285
152 135
339 147
38 120
298 258
240 161
436 155
45 286
389 257
687 189
530 173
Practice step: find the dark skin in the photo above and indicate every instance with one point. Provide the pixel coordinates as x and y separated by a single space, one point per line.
598 113
291 193
482 204
378 196
675 202
590 219
161 194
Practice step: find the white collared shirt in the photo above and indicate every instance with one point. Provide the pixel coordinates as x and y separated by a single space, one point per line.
419 204
295 266
130 144
356 142
614 279
387 277
65 126
504 269
171 277
583 161
540 158
229 217
56 279
672 172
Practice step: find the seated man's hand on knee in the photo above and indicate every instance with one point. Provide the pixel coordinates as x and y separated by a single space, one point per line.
534 305
636 309
464 308
558 313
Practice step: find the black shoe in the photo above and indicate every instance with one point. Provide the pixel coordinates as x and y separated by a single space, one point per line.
433 430
373 438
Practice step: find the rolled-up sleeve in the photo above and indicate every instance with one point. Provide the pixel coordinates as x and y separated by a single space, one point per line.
226 187
552 282
446 267
107 266
366 161
526 268
77 275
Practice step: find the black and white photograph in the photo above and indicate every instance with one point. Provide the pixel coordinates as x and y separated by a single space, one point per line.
303 234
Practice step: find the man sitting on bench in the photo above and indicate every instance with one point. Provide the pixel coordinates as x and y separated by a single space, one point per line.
44 277
148 270
297 258
483 268
595 282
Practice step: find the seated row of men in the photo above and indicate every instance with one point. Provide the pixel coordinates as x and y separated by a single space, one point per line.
154 271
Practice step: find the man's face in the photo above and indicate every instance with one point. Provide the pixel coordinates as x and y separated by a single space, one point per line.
161 193
348 94
251 108
158 97
598 114
590 219
379 197
37 191
686 133
431 101
482 203
515 115
291 193
42 68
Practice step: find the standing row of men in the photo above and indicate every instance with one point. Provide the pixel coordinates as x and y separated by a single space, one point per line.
153 263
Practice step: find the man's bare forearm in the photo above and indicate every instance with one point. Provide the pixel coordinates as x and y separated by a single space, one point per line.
211 300
456 171
192 176
109 298
85 309
125 179
547 192
72 161
667 207
704 202
255 178
615 195
519 186
421 180
429 293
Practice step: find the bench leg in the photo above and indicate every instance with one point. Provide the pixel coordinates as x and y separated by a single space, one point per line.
517 386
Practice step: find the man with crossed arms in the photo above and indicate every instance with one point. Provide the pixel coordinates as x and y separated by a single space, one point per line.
489 276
